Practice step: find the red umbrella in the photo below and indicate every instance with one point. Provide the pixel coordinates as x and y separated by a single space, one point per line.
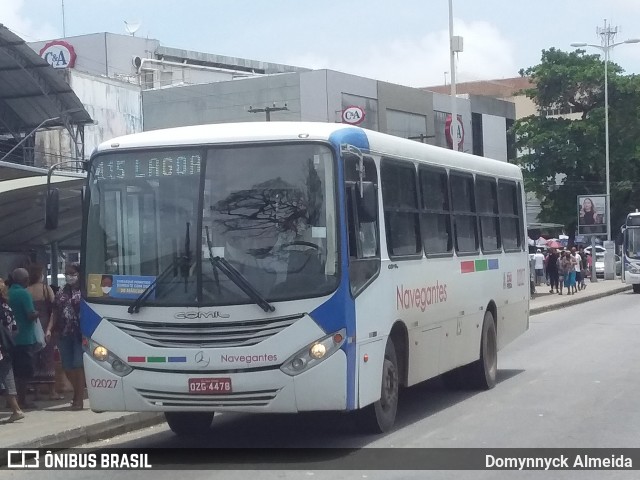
554 244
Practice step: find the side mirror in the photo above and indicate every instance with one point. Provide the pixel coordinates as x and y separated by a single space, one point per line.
367 200
52 207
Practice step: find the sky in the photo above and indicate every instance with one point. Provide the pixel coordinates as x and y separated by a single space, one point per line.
404 41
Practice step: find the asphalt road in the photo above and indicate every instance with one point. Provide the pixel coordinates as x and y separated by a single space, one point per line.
571 381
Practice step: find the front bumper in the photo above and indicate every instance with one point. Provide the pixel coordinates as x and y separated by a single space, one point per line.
323 387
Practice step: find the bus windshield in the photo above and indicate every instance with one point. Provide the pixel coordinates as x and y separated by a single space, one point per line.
165 220
632 242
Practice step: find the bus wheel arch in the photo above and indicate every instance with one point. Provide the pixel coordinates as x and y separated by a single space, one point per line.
482 373
492 307
400 338
380 416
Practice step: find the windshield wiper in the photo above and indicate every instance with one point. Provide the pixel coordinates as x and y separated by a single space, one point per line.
135 306
183 264
236 277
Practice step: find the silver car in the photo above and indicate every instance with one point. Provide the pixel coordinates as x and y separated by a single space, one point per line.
600 264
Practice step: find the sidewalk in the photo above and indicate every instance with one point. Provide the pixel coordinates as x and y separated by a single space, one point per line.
545 301
54 425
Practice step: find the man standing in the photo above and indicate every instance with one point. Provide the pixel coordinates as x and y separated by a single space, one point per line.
578 269
584 266
539 265
21 303
552 270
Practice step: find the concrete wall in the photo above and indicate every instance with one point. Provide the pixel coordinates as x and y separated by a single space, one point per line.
107 54
494 137
114 106
222 102
407 100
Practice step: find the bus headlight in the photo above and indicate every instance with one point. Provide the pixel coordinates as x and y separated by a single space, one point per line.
106 358
314 353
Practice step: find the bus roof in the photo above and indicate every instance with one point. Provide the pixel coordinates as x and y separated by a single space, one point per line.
379 143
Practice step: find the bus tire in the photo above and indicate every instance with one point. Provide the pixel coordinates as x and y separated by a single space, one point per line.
189 423
380 416
482 373
636 288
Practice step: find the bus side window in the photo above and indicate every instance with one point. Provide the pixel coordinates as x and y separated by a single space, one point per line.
364 242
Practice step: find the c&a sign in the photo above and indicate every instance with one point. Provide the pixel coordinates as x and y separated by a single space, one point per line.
59 54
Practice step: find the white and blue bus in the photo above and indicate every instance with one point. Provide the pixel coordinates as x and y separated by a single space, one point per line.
631 251
289 267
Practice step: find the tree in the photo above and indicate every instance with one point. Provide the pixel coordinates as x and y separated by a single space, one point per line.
563 158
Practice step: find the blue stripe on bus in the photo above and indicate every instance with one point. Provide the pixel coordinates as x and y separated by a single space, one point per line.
493 264
339 311
89 320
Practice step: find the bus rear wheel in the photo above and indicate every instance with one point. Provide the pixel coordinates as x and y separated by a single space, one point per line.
189 423
636 288
482 373
380 416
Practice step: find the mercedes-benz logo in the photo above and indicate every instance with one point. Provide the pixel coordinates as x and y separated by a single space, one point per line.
201 360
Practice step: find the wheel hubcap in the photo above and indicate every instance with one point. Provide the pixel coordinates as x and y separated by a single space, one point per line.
389 385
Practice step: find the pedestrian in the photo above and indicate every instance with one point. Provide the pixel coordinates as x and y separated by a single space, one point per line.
561 271
584 266
43 296
25 314
9 330
539 265
578 269
568 265
552 270
65 321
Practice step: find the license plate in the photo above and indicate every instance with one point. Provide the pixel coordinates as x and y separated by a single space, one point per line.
209 386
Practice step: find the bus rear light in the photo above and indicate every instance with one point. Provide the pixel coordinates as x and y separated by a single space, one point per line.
314 353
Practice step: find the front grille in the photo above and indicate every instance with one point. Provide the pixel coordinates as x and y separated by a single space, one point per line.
258 398
203 335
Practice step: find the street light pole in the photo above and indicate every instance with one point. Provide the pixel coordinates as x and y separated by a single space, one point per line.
608 34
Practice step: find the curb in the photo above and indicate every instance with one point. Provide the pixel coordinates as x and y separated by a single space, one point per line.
91 433
575 301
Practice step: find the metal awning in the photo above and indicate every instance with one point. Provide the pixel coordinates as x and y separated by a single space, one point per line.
22 206
32 92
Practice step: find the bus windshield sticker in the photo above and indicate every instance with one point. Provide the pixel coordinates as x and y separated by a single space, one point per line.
118 286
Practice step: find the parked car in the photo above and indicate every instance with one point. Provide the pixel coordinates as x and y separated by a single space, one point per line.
600 265
599 249
61 280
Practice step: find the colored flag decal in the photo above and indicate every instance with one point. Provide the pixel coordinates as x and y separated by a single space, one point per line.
156 359
471 266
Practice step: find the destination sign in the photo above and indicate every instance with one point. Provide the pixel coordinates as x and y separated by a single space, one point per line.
147 166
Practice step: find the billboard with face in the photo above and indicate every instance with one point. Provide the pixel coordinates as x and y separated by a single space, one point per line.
591 214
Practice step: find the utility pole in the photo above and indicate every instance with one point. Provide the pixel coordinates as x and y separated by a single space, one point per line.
455 46
64 30
267 110
422 137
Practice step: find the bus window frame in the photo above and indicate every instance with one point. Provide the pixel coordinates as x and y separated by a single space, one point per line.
406 164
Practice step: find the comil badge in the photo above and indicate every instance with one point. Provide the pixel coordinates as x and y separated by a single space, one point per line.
353 115
59 54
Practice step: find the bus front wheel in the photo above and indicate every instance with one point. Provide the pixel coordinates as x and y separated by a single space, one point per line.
380 416
189 423
636 288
